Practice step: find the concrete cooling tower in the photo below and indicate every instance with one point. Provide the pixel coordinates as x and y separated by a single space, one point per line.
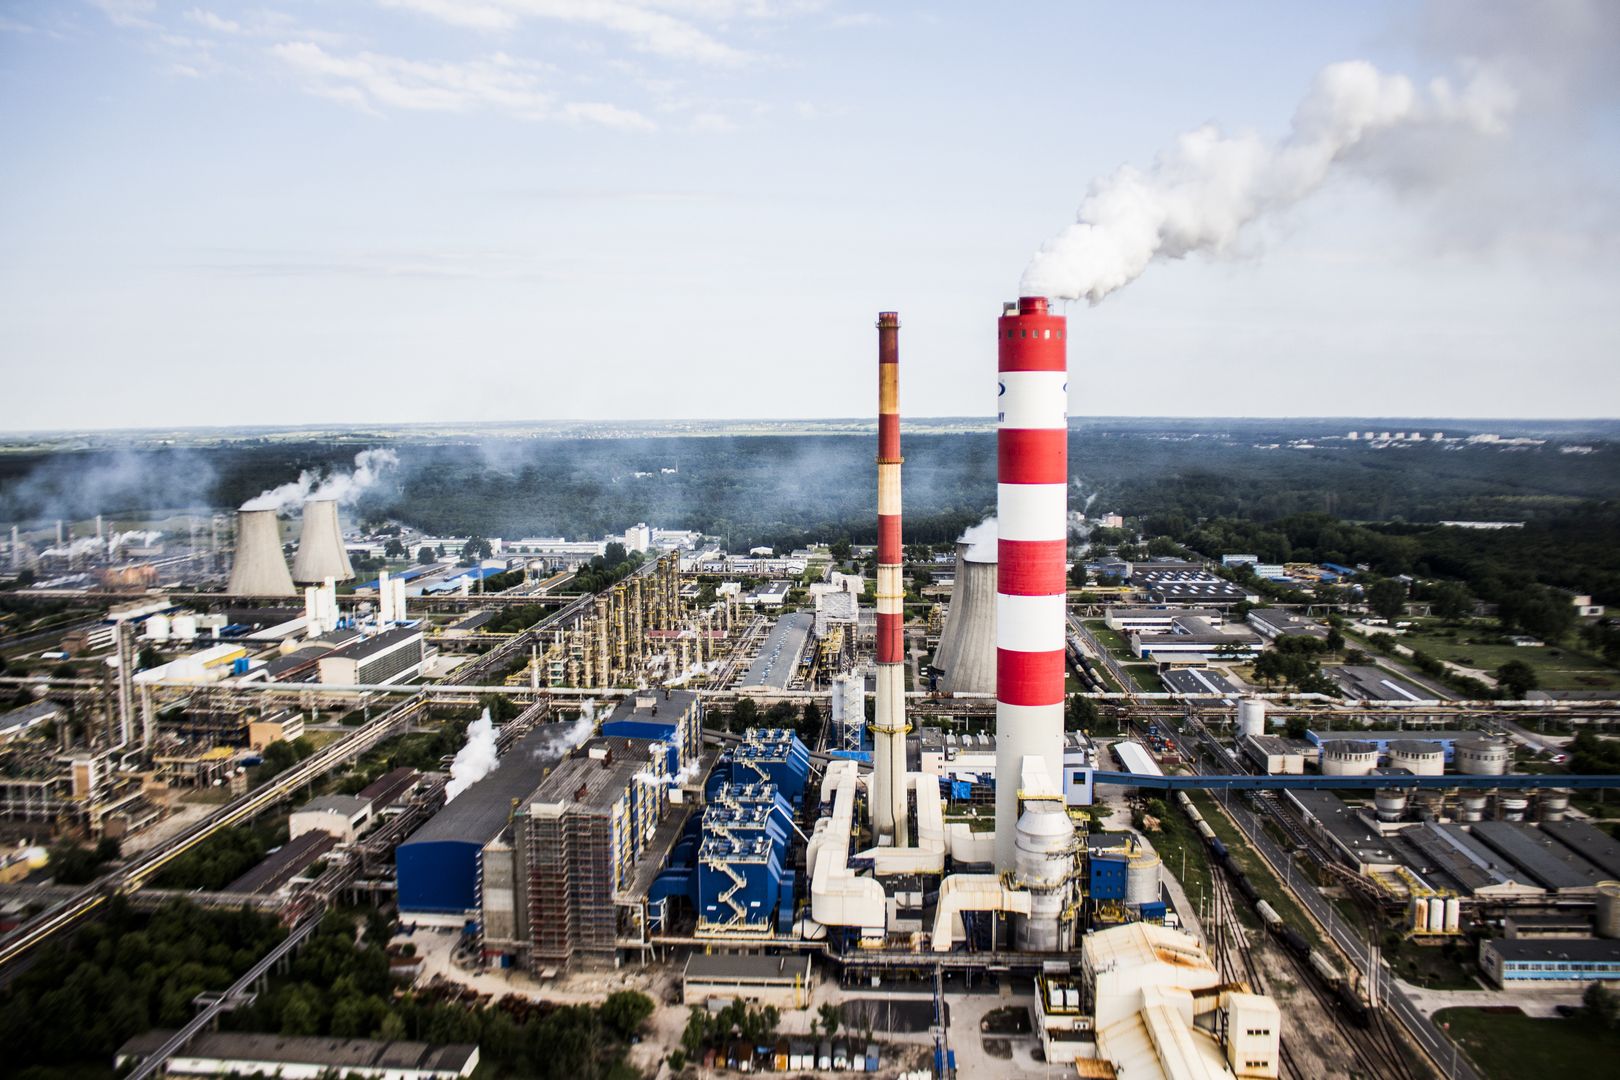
967 647
260 568
320 546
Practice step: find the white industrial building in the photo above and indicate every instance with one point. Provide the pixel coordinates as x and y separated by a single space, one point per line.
390 657
302 1057
341 816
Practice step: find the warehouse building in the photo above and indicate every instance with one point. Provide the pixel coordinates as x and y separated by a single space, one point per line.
1548 863
1275 755
340 816
1355 841
1192 637
240 1053
1159 620
1550 960
392 656
438 867
671 717
1273 623
783 981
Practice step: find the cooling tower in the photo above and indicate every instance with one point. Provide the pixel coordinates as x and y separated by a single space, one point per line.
320 546
260 568
966 656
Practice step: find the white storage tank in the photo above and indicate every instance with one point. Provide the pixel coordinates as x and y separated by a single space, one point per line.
1391 804
1437 915
185 627
1473 806
1420 913
1512 807
1418 757
1483 756
1349 757
1142 879
1251 718
156 628
1453 915
1552 805
1606 922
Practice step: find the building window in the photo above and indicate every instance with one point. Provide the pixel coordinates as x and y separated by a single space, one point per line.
1046 333
1023 333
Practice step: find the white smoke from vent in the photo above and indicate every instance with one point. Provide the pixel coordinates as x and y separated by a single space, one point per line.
982 540
1201 193
477 758
345 487
565 737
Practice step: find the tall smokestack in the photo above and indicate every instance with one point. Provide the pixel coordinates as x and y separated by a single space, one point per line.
321 554
260 568
889 728
1032 483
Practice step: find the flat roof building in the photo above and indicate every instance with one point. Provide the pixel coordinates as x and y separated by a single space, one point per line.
340 816
240 1053
1357 842
1544 960
783 981
389 657
1548 862
1276 622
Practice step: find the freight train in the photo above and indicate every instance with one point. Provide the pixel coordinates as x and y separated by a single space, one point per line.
1321 967
1082 667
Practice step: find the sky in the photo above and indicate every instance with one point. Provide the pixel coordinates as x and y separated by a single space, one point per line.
388 211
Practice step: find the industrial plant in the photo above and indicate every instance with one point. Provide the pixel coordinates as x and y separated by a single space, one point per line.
799 780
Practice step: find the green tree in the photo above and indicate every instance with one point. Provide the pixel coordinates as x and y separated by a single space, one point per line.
1386 598
625 1011
1516 679
394 549
1077 574
1602 1004
1450 599
425 555
829 1019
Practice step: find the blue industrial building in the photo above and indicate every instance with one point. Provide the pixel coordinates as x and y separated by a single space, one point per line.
438 868
774 756
1571 960
672 717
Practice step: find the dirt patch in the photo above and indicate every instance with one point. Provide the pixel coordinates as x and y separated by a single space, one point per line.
998 1048
1011 1020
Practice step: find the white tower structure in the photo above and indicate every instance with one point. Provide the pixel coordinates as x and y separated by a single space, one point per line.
321 554
260 568
967 646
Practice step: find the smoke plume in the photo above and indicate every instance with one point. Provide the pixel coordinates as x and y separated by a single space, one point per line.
345 487
479 757
982 540
564 737
1201 193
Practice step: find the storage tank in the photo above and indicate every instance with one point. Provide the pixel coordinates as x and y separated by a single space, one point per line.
185 627
1437 915
1606 921
1473 806
1251 717
1391 804
1043 862
1349 757
1512 807
1142 879
1483 756
156 628
1418 757
1552 805
1453 923
1420 913
966 656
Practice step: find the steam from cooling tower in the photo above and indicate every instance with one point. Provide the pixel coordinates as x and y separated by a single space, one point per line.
343 487
981 540
479 757
563 740
1201 193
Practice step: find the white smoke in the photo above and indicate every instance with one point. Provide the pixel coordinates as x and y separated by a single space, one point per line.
687 774
982 540
138 537
479 757
565 737
345 487
1201 193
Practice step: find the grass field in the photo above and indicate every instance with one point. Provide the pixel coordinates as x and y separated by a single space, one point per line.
1506 1045
1146 677
1109 639
1556 668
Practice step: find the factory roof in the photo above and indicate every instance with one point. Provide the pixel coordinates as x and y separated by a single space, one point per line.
333 639
1280 621
388 787
283 864
1554 950
1160 612
305 657
1194 630
1196 681
1378 685
1592 844
1490 860
1387 736
1341 822
1417 746
381 643
653 706
474 621
1133 756
1546 860
749 968
348 805
1442 861
1272 744
27 716
594 775
477 814
779 656
290 1050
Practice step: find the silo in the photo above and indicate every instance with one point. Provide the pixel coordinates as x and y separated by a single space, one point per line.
1418 757
1437 915
1606 921
1349 757
1251 717
1483 757
184 626
1420 913
156 628
1473 806
321 554
1552 805
1512 807
1390 803
966 656
1142 879
1043 859
260 569
1453 920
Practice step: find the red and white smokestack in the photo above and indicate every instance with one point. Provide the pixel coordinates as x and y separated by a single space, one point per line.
889 725
1032 482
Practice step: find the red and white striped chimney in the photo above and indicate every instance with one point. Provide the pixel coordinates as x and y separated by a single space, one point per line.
1032 481
889 725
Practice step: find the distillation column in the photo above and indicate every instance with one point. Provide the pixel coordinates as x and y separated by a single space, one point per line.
889 729
1032 511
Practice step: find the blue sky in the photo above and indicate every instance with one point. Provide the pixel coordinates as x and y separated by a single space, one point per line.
418 210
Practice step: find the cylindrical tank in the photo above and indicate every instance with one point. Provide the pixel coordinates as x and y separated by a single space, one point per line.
185 627
1391 804
1437 915
1606 923
157 628
1473 806
1453 921
1418 757
1512 807
1420 913
1142 879
1483 756
1349 758
1251 717
1552 805
1043 866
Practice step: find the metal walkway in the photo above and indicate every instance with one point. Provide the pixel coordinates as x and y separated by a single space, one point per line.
1448 782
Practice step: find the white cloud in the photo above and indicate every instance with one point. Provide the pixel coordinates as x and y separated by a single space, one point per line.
126 12
372 81
210 21
664 27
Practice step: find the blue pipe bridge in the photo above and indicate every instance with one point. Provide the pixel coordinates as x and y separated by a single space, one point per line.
1247 782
